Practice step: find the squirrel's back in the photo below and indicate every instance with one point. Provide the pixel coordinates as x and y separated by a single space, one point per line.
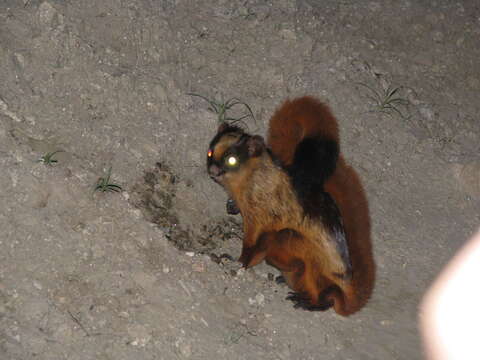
304 136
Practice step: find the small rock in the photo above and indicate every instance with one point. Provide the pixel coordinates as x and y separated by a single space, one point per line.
20 60
288 34
37 285
185 350
438 36
46 12
137 213
473 82
198 267
98 251
139 334
260 299
204 321
468 177
240 272
190 253
427 113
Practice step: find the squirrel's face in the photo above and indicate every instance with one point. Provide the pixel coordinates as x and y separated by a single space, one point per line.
230 152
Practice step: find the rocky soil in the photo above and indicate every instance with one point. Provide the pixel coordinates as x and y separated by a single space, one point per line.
150 272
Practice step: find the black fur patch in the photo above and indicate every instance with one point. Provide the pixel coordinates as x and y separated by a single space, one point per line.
225 129
321 205
314 162
301 301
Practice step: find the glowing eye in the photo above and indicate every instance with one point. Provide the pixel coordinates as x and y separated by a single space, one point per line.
232 161
209 153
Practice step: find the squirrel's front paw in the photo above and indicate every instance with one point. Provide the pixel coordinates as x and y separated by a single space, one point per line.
232 208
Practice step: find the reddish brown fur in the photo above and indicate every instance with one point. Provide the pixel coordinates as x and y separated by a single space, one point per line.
347 190
293 255
295 120
276 228
268 203
305 117
260 189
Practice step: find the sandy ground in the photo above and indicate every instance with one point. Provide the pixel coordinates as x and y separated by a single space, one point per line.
91 275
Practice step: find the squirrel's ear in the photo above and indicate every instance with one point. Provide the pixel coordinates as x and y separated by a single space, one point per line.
255 145
222 127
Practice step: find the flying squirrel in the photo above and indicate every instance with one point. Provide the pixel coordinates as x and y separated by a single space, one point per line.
304 209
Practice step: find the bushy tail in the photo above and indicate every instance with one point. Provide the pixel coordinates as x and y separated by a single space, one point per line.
345 187
344 302
303 135
299 119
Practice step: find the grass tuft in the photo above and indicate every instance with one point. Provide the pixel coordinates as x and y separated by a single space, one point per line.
387 101
222 107
48 159
104 184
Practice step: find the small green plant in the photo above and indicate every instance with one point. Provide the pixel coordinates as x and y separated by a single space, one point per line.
103 184
221 107
248 13
387 101
48 159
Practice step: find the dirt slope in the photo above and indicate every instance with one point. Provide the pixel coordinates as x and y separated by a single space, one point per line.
90 275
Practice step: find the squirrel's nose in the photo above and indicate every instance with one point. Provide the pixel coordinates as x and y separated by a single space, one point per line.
215 170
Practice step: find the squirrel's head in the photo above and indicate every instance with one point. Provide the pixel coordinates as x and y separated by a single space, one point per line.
230 153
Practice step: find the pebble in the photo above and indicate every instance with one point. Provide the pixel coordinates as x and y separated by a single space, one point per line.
468 177
37 285
185 350
46 12
258 300
139 334
198 267
240 272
